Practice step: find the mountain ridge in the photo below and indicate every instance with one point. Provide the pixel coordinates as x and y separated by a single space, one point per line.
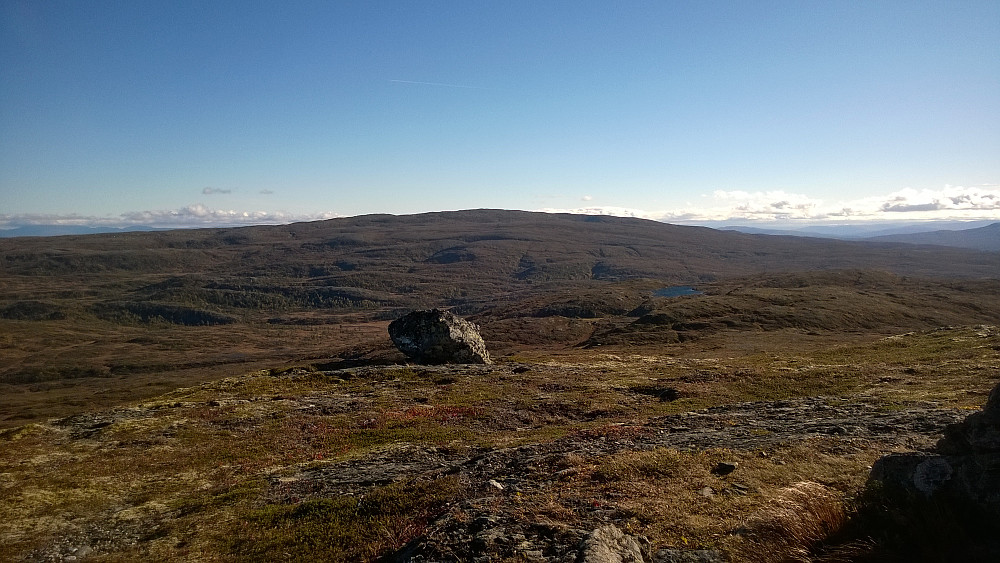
570 247
985 238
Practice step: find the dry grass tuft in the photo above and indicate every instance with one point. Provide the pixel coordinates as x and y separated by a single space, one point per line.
796 524
661 462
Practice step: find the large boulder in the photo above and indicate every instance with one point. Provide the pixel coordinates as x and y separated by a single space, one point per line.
978 433
960 476
438 337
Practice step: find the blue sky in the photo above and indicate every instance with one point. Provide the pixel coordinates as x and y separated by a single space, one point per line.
192 113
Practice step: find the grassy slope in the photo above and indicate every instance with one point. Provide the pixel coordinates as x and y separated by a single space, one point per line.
191 474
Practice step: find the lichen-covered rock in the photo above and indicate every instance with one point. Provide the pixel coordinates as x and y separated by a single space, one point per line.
608 544
438 337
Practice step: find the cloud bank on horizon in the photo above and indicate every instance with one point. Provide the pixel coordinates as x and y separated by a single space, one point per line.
192 216
778 206
947 203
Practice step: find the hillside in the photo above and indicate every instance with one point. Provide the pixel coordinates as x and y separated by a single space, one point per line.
468 259
92 320
513 245
982 238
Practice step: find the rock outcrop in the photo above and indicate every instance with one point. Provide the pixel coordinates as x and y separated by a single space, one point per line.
438 337
962 473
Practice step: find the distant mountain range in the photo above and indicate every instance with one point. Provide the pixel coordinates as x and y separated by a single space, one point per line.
983 238
857 231
977 235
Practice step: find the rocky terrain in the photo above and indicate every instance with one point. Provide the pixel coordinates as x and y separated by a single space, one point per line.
523 460
502 475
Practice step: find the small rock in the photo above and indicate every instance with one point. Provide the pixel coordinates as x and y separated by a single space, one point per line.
725 467
483 522
495 484
707 492
485 541
523 546
567 473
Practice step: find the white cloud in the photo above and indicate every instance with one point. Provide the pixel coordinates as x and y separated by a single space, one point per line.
949 202
773 205
196 215
600 210
213 191
949 199
587 198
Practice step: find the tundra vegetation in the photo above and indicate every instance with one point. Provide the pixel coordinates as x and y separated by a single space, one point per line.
232 394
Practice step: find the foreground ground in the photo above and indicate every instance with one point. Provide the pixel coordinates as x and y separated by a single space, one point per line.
699 447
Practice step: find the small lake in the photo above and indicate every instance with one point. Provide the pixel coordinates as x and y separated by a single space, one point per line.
676 291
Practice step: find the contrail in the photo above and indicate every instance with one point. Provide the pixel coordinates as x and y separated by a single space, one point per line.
440 84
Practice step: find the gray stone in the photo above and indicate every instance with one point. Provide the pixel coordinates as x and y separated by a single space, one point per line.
438 337
608 544
725 467
487 540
